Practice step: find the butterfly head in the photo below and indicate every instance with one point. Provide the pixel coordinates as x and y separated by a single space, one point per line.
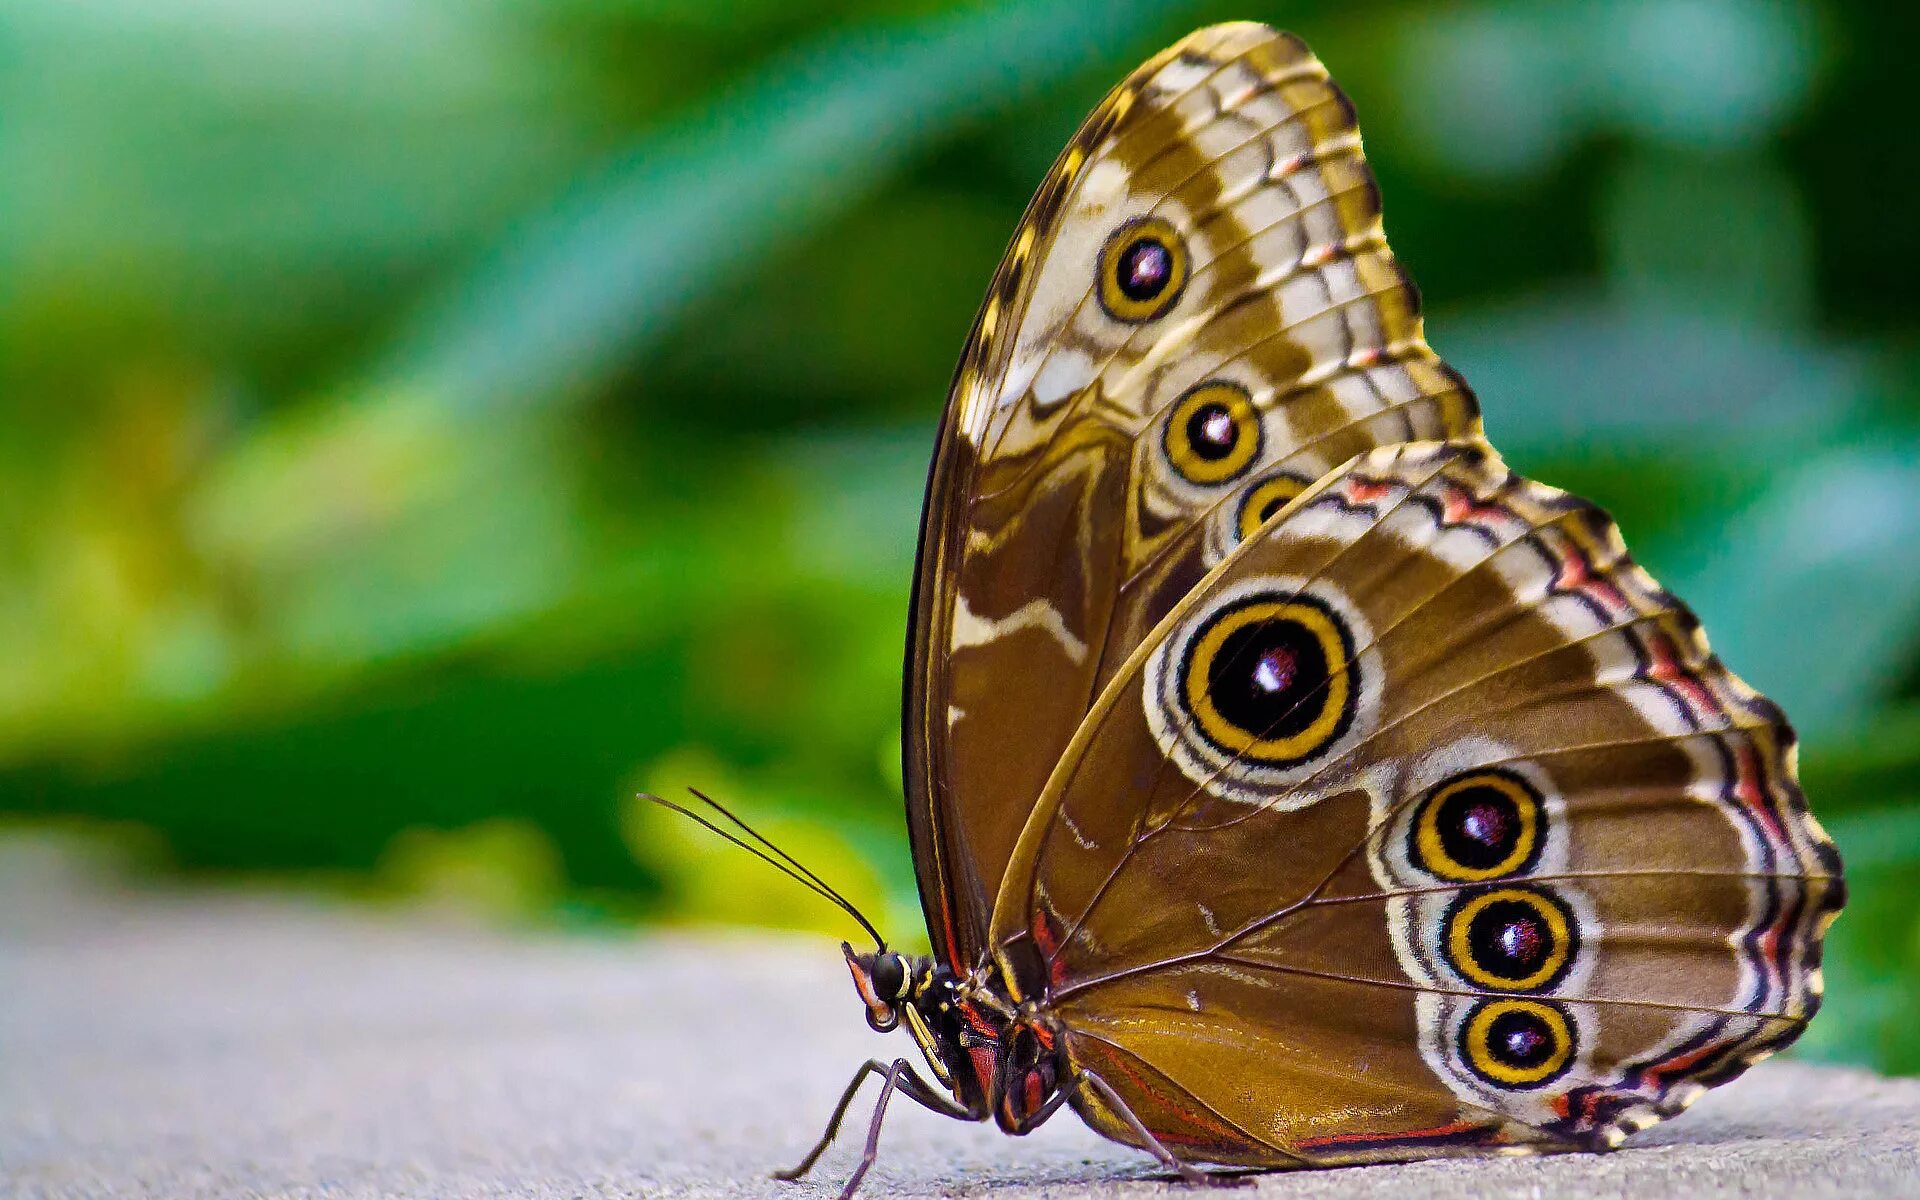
885 983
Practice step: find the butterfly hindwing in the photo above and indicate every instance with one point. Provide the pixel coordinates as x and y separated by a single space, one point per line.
1198 316
1425 823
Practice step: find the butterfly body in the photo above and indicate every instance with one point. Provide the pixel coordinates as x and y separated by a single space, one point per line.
1290 782
996 1058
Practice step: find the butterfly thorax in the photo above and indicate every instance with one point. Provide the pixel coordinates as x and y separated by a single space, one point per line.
996 1057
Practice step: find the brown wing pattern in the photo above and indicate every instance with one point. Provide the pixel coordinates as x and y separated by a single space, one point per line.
1426 823
1198 316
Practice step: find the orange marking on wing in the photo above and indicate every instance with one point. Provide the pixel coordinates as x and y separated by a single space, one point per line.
1049 944
1030 1093
1660 1070
1365 491
1666 669
982 1058
978 1023
1458 507
1576 573
1747 789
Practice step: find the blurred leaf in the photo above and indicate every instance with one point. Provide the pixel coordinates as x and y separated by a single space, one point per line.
223 171
1712 237
1875 842
497 870
1872 961
1814 594
1503 90
1871 762
600 278
1575 370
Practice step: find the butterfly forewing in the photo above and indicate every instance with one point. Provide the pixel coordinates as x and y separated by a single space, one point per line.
1425 823
1198 317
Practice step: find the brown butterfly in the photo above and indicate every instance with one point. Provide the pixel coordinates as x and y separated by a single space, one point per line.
1289 782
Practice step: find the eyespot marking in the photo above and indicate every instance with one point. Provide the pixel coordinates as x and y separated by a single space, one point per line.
1516 1044
1269 679
1143 268
1478 826
1266 498
1511 939
1212 433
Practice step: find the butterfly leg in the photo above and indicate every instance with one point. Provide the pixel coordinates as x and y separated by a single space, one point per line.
901 1075
1188 1173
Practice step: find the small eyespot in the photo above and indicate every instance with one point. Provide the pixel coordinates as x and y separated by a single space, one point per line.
1511 939
1212 433
1478 826
1266 498
1516 1044
1270 679
1143 268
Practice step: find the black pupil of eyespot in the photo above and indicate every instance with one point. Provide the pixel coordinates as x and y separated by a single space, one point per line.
1519 1038
1271 507
1509 938
1269 678
1478 826
1144 268
1211 431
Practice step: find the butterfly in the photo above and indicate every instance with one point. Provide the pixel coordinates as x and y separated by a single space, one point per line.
1289 782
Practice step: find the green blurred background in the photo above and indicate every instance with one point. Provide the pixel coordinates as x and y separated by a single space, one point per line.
427 422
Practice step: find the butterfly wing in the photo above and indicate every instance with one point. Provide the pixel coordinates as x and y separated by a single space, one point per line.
1199 297
1426 823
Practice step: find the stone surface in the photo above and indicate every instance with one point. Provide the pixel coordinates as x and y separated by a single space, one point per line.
196 1046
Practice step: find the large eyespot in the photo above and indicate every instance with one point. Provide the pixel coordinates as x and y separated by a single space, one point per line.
1143 266
1270 679
1212 433
1512 939
1266 498
1516 1043
1478 826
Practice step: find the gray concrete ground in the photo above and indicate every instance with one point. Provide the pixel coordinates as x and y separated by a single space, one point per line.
165 1046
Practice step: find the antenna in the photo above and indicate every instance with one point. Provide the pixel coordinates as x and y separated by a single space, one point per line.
778 859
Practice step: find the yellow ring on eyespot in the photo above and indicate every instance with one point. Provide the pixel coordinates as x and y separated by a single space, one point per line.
1477 1042
1176 438
1433 851
1131 309
1333 699
1265 498
1460 945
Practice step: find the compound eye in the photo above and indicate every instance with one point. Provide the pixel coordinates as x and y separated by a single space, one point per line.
890 976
